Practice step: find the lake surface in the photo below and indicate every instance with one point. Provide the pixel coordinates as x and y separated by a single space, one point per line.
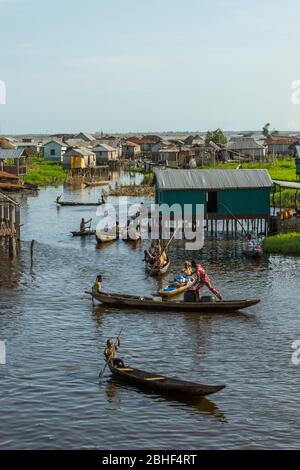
50 394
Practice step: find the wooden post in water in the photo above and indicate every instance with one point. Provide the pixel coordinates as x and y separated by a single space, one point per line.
31 253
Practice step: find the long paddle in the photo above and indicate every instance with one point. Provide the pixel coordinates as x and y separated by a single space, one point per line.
116 342
165 249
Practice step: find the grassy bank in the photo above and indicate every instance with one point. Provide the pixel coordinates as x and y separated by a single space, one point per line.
285 243
44 173
287 198
284 170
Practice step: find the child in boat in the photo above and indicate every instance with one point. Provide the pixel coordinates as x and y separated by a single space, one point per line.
185 275
97 285
203 280
187 269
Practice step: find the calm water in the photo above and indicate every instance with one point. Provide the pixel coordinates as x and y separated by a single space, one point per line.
50 395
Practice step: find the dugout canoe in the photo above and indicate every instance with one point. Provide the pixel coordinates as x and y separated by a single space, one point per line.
106 237
86 233
175 289
70 203
98 183
156 271
162 384
157 304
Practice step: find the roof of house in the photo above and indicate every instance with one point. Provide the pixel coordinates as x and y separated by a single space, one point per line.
287 184
212 179
244 143
11 186
80 151
11 153
77 143
8 176
103 147
281 140
130 144
86 135
56 141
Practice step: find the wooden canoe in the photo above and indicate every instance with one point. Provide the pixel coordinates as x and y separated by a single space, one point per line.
106 238
162 384
177 288
253 250
98 183
156 271
72 204
87 233
158 304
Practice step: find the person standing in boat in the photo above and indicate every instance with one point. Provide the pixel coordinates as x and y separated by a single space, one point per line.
203 280
97 285
110 352
83 224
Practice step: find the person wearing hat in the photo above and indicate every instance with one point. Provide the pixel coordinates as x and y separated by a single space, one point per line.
203 280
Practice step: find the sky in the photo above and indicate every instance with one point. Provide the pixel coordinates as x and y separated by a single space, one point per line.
148 65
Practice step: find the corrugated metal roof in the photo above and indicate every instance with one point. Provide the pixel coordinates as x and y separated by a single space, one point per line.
11 153
212 179
287 184
103 147
246 143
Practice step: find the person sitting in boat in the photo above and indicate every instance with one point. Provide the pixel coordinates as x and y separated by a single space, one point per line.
203 280
185 276
110 352
97 285
83 224
58 199
187 269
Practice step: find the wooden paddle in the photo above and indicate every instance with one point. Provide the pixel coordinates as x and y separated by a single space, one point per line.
165 249
115 344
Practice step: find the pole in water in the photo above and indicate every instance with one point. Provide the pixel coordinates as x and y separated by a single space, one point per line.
31 252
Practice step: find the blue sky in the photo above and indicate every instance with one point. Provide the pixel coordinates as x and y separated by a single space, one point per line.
148 65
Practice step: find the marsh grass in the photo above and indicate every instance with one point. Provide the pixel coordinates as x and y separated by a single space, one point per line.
285 243
45 173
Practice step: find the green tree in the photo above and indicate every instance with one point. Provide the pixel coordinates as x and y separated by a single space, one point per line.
266 131
216 136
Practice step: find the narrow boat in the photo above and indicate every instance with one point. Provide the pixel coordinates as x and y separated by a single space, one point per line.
106 237
175 288
158 304
70 203
86 233
252 249
98 183
160 383
156 271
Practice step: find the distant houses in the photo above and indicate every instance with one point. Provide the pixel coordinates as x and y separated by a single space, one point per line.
247 147
54 150
14 161
105 153
79 158
280 145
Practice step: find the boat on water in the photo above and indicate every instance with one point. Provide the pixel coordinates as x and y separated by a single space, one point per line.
86 233
160 383
176 288
71 203
108 236
156 304
157 270
252 249
98 183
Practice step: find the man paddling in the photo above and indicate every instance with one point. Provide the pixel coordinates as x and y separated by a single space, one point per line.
203 280
83 224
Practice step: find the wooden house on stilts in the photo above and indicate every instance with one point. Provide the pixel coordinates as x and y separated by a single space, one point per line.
9 223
